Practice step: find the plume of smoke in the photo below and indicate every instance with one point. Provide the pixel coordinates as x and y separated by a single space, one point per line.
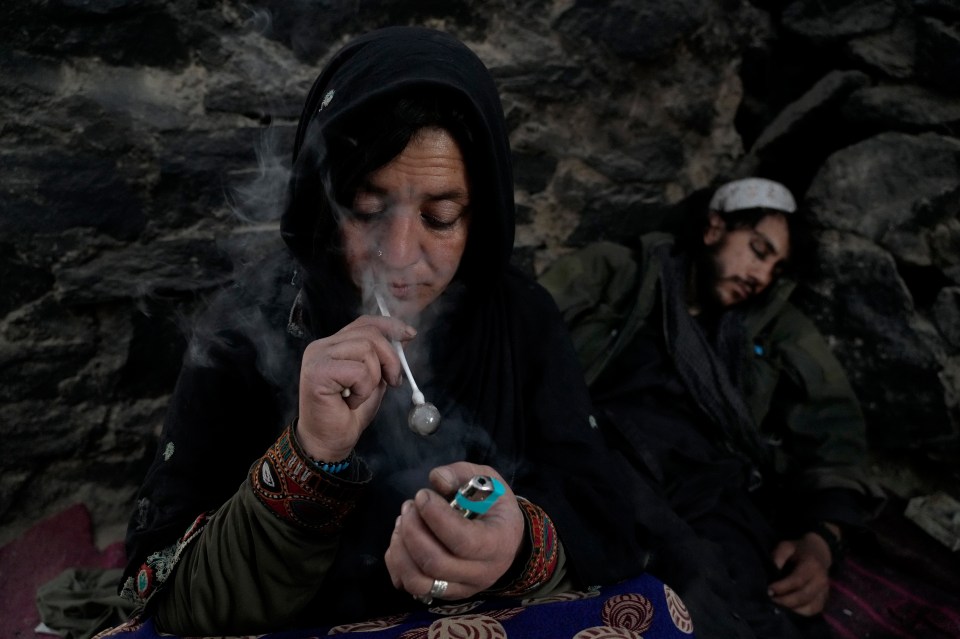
259 20
245 313
398 449
261 197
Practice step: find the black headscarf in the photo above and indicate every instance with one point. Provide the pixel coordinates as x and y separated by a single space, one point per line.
369 71
495 356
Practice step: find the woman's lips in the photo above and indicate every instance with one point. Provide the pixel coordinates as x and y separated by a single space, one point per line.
401 291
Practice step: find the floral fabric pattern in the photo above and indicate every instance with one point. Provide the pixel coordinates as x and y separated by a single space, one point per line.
639 608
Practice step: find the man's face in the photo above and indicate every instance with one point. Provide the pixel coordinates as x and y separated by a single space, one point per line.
745 261
407 230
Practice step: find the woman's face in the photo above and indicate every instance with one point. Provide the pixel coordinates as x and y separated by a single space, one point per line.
407 229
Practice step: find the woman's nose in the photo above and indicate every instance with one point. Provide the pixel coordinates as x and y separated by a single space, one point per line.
399 242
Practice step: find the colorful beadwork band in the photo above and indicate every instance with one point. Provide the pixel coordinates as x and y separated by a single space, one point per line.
293 488
544 554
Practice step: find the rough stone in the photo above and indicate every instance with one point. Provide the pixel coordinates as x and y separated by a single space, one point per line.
632 30
619 216
35 371
52 189
102 375
650 159
22 282
23 74
938 52
944 9
165 267
547 82
889 189
801 118
857 297
907 108
946 313
892 52
11 484
123 33
944 242
532 171
258 80
45 321
834 19
311 27
48 432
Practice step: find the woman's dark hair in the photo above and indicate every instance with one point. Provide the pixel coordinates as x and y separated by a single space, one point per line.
376 134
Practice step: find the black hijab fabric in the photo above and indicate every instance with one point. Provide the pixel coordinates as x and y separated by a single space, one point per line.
368 71
495 358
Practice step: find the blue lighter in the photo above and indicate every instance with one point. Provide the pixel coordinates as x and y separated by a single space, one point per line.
477 496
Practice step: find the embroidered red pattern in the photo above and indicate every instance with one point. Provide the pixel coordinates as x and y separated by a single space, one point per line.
543 558
286 483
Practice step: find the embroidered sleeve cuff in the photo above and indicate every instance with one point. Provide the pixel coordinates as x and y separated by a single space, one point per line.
541 541
157 568
297 491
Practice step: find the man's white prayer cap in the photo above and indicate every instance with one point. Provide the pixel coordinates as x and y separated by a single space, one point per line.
751 193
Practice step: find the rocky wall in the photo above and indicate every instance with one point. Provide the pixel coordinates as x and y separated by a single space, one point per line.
143 142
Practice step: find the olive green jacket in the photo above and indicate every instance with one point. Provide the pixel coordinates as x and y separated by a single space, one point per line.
606 292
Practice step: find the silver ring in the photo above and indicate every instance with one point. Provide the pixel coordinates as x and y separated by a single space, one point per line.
439 588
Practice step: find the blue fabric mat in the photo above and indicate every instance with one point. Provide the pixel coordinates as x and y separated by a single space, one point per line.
640 608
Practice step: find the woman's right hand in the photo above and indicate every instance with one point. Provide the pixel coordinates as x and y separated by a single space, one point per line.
361 358
432 541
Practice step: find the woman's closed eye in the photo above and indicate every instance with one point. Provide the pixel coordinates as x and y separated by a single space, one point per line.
367 206
442 214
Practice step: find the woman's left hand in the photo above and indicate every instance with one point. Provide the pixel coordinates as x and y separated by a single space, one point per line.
432 541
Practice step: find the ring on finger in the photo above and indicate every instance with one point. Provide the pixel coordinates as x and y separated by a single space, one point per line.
439 588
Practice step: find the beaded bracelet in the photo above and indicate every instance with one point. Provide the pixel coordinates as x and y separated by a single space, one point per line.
331 467
327 467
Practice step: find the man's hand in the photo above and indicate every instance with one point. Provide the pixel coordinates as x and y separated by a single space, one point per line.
433 541
805 588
